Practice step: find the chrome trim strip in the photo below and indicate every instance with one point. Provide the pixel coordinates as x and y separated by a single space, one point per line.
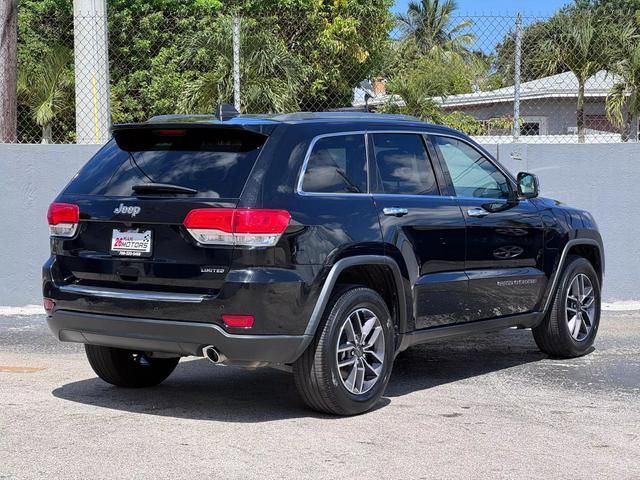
144 295
409 195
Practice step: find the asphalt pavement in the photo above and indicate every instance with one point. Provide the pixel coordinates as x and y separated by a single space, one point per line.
488 406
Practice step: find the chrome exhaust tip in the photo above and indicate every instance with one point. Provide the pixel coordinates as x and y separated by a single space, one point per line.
213 355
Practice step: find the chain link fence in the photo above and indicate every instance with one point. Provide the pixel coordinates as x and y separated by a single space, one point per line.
567 78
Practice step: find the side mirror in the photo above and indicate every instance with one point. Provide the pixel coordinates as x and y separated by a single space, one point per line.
528 185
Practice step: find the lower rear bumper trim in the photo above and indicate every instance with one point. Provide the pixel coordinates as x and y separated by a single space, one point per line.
183 338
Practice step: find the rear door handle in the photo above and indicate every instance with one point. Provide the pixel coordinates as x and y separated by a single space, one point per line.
477 212
395 211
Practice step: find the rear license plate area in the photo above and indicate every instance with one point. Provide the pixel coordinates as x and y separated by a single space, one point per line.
131 243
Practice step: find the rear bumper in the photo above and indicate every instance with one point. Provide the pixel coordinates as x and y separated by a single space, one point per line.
280 299
183 338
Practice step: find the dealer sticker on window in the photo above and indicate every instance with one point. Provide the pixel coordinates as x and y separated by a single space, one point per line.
132 243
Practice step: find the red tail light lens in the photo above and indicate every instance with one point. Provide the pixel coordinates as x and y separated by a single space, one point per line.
237 226
238 321
260 221
63 219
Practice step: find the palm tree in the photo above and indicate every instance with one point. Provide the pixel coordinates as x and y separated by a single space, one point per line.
429 24
624 96
45 91
271 76
576 43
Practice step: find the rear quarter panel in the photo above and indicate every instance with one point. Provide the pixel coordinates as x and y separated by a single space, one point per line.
323 228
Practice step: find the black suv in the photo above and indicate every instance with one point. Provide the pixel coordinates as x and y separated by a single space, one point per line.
327 242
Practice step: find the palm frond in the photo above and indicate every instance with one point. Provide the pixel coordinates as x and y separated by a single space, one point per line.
616 102
46 90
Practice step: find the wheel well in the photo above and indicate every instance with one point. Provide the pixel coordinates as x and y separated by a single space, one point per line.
591 253
378 278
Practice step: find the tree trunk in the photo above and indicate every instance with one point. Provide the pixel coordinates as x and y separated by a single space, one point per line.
47 134
580 111
8 71
626 133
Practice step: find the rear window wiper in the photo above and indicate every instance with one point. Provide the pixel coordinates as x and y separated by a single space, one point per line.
162 188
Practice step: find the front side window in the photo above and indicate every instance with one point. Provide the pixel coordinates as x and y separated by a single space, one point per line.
337 164
403 165
471 173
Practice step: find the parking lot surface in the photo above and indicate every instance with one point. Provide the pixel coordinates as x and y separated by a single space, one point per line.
486 406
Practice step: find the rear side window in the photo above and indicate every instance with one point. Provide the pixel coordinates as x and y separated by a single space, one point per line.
337 164
403 164
215 162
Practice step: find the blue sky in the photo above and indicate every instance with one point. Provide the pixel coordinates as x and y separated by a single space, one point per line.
500 7
493 19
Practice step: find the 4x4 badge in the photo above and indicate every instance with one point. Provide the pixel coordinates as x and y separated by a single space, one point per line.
127 210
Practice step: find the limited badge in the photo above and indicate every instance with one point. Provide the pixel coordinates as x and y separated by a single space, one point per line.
208 269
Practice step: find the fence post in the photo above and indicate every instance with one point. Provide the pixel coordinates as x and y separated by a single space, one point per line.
236 61
8 71
516 79
91 55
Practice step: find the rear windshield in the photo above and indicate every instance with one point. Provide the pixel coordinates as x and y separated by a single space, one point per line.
215 162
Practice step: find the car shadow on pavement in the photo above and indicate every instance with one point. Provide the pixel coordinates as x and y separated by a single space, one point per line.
201 391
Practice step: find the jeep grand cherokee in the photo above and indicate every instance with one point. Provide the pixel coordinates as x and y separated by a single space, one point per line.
326 242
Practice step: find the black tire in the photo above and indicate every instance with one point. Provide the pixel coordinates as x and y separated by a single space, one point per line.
127 368
316 372
553 335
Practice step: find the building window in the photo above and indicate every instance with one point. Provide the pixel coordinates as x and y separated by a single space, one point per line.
530 129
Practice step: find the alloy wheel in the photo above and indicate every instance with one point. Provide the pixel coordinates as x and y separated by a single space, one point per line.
580 307
360 352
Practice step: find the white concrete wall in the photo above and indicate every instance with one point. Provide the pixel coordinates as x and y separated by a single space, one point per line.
603 179
32 176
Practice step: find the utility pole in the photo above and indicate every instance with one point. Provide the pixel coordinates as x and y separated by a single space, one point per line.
91 55
516 79
8 71
236 61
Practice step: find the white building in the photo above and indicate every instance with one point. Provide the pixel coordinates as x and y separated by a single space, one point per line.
547 106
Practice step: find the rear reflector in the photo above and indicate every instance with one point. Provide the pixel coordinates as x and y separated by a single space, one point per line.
49 305
63 219
238 321
237 226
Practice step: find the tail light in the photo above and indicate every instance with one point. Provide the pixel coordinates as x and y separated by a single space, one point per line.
63 219
237 226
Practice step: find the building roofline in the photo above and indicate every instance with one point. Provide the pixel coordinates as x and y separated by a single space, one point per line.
473 99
